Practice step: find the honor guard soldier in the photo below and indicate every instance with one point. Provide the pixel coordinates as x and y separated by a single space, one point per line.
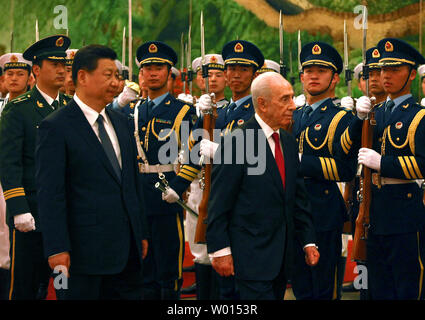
158 122
317 128
18 125
174 74
242 59
69 84
269 66
395 236
17 71
206 279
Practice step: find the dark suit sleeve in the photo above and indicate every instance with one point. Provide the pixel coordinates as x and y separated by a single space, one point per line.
51 188
225 186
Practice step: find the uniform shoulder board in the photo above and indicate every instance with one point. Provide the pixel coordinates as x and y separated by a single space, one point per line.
379 105
300 107
21 98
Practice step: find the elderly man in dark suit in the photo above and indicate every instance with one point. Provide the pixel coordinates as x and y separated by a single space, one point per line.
91 206
258 209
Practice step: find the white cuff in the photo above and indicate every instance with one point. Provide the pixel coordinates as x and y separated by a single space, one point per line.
310 245
220 253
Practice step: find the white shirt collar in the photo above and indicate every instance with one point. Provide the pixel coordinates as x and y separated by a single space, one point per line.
268 131
46 97
90 113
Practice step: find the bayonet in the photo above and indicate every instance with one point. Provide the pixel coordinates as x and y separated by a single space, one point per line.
123 47
37 34
282 65
130 42
189 60
204 65
300 69
346 66
182 73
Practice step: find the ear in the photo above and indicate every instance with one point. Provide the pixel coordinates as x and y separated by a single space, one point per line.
36 70
82 77
413 74
261 104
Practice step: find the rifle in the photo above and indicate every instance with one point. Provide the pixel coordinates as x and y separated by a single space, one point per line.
349 186
359 253
37 34
208 125
282 65
130 42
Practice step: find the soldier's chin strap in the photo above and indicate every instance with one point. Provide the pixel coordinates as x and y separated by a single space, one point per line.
327 88
407 80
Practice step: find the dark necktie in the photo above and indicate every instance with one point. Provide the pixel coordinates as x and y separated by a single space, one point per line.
230 108
107 146
278 156
150 106
55 104
389 105
306 115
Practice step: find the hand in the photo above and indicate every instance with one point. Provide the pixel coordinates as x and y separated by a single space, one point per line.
170 196
299 100
62 260
363 107
312 255
205 102
185 98
423 102
24 222
347 102
145 245
208 148
224 265
300 155
126 96
370 158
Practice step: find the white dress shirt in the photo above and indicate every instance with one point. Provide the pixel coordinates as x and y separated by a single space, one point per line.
91 116
48 98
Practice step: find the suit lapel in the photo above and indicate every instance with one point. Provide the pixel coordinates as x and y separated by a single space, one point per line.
81 125
122 133
271 166
288 155
319 113
397 113
163 107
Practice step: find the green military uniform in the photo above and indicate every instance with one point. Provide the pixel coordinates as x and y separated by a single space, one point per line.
18 129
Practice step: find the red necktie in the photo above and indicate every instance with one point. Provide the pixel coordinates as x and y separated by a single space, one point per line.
278 155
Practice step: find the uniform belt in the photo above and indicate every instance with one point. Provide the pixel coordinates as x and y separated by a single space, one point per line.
384 180
156 168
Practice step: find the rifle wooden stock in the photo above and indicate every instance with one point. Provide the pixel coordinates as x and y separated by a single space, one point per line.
201 225
362 222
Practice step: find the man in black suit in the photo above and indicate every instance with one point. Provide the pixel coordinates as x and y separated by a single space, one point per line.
257 209
91 205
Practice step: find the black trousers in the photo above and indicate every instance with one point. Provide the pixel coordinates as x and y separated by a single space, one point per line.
262 290
4 283
318 282
395 266
206 282
27 266
126 285
163 265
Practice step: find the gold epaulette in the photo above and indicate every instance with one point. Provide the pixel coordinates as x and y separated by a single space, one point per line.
21 98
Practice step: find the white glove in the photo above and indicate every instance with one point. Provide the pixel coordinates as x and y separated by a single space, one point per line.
363 107
300 155
24 222
299 100
185 98
347 102
170 196
204 103
126 96
208 148
370 158
423 102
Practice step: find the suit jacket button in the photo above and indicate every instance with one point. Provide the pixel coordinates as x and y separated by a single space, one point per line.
143 128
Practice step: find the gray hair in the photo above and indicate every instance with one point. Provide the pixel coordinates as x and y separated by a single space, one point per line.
260 87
